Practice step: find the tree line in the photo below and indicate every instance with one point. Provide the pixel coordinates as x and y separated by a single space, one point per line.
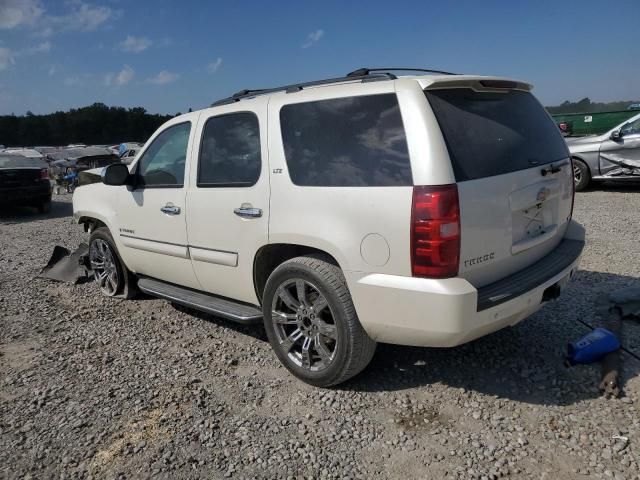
93 125
587 106
98 124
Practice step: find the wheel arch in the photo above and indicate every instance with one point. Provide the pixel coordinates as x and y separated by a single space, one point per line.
582 159
128 289
270 256
581 164
90 223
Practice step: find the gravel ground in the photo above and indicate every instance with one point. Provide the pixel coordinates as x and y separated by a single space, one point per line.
95 387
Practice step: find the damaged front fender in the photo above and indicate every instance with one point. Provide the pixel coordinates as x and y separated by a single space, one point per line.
64 266
624 167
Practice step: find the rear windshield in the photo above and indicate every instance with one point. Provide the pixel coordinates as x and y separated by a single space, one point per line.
491 134
16 161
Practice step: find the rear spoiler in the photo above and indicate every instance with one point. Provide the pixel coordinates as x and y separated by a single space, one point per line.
480 84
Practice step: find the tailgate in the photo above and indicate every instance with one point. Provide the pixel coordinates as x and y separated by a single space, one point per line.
514 177
511 221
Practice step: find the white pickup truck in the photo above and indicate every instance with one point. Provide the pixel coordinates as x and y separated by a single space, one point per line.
423 210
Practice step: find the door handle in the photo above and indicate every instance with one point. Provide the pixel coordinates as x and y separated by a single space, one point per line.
170 209
248 212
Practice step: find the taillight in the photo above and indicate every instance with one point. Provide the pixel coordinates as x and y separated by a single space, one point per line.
44 174
435 231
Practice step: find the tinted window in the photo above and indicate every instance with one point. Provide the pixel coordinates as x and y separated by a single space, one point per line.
356 141
162 164
230 151
495 133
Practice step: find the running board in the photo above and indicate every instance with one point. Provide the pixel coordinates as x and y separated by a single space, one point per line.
221 307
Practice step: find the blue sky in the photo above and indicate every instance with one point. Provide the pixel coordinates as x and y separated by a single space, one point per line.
169 55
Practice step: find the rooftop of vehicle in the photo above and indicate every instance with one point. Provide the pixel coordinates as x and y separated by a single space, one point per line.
426 79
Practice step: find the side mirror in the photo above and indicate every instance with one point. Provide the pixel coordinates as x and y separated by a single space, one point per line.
616 135
116 174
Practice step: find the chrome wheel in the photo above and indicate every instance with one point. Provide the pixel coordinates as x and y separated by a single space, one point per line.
304 325
103 264
577 173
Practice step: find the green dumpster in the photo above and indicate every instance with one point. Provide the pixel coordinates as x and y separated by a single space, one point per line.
577 124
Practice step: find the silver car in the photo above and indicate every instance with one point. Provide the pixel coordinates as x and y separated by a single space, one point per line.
612 156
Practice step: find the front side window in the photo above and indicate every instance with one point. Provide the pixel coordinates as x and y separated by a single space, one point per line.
230 151
631 127
162 164
354 141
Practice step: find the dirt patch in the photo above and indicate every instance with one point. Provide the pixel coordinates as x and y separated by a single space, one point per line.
18 355
136 434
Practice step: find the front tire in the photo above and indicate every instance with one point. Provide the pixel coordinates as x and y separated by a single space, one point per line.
581 175
312 324
109 271
45 207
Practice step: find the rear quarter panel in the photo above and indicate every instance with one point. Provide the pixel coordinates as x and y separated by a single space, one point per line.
338 219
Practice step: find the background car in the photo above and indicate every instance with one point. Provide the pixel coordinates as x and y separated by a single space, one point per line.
129 155
612 156
76 160
25 152
24 181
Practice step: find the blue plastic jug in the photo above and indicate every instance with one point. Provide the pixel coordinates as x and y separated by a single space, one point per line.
592 347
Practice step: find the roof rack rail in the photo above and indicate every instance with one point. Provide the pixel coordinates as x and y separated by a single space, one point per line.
366 71
295 87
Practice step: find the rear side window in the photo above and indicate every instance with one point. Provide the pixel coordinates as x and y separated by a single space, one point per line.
346 142
230 151
491 134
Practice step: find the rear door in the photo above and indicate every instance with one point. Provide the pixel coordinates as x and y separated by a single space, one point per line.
514 178
228 201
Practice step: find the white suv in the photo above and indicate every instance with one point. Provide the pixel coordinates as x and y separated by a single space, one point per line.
418 210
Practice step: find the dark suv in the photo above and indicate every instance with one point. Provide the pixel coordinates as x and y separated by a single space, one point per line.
24 181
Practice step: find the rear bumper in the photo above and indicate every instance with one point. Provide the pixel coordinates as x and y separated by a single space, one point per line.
31 195
450 312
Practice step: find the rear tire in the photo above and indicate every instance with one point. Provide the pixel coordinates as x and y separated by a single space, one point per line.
109 271
45 207
581 175
312 324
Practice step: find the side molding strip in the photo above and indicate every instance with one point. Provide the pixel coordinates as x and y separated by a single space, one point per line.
208 255
179 251
228 259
